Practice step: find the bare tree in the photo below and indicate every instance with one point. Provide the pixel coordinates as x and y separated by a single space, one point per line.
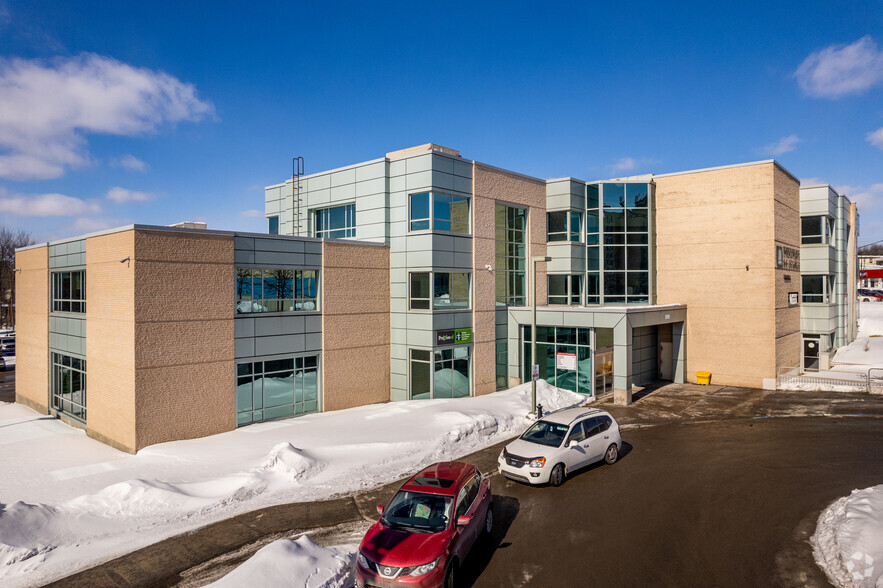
9 242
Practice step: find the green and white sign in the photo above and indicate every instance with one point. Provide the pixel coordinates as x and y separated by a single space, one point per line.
453 337
462 335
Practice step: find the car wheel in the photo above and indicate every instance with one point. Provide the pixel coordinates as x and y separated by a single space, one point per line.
489 519
451 575
866 299
556 478
612 454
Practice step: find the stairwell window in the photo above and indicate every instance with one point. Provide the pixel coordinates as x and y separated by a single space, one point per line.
338 222
69 291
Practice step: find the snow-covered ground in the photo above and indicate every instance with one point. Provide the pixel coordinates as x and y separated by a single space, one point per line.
853 361
68 502
848 542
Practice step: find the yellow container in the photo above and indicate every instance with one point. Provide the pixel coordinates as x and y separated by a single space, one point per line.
703 378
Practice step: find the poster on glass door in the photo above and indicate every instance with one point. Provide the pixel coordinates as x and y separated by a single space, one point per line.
565 361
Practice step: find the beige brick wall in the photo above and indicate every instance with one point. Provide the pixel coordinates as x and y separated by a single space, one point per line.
183 335
490 185
32 329
110 339
355 325
710 226
787 213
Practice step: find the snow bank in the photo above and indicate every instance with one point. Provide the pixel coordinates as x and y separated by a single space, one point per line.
69 502
852 361
867 349
848 542
294 563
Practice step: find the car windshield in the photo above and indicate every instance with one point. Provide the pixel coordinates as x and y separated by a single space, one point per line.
417 511
544 433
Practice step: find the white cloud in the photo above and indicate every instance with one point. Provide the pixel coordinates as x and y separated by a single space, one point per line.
867 198
49 107
840 70
130 162
42 205
624 164
875 138
253 213
782 146
121 195
90 225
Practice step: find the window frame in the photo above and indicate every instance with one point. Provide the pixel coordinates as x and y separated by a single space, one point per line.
823 237
570 234
58 302
301 281
349 220
824 296
433 220
570 297
430 303
302 366
61 363
433 362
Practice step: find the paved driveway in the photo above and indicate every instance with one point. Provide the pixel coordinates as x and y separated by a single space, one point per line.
710 504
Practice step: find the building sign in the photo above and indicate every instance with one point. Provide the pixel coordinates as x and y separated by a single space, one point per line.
565 361
793 299
453 337
788 258
535 372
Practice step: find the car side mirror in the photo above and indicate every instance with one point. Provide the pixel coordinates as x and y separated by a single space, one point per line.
463 520
380 509
567 443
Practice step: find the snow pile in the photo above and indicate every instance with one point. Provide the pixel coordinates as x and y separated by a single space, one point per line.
70 502
294 563
867 349
848 542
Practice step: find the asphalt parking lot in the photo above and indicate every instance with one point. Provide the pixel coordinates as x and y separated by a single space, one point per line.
711 504
7 386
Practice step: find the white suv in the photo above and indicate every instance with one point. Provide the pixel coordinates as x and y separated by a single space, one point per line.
560 443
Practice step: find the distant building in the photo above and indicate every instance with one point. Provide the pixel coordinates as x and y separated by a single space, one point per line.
409 277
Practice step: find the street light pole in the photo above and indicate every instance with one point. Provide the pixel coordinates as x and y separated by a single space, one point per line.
533 332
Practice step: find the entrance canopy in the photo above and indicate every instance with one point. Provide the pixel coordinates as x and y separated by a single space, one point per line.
594 351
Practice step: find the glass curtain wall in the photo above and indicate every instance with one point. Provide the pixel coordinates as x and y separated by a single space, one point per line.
443 373
618 243
511 252
510 241
272 389
69 385
564 355
276 290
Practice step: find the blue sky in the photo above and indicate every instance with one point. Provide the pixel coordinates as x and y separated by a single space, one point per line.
158 112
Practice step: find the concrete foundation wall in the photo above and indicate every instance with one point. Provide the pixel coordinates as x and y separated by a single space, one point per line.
491 185
32 329
355 325
183 323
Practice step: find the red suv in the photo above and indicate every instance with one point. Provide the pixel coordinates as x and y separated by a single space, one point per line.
427 528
